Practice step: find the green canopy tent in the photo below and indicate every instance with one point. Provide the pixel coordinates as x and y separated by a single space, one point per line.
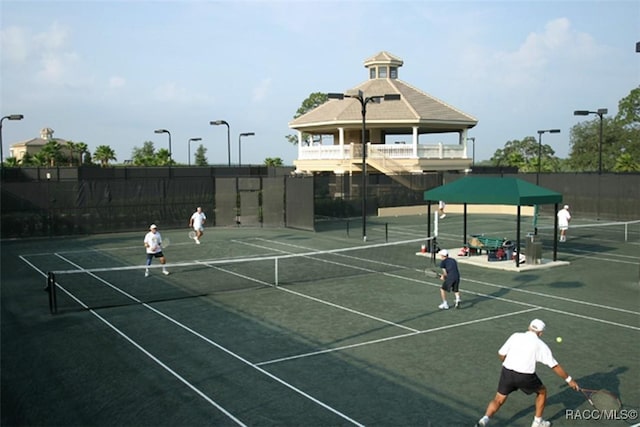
495 191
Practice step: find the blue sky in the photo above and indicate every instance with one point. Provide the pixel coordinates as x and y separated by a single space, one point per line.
110 72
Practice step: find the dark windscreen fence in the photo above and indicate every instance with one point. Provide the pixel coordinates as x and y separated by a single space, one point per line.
300 203
89 200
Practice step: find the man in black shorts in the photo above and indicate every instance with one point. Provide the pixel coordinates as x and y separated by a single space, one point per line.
519 355
450 279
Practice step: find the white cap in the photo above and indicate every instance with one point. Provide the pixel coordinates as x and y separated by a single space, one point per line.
152 226
537 325
443 252
566 206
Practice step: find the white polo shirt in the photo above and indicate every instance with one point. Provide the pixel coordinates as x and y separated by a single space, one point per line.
523 350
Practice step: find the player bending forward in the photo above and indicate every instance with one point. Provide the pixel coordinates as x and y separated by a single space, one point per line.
519 355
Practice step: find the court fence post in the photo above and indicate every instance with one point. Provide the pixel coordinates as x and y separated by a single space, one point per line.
51 290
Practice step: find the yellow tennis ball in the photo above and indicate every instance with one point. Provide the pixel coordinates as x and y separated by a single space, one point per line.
559 339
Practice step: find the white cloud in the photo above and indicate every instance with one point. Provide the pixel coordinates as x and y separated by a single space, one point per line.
116 82
15 44
261 91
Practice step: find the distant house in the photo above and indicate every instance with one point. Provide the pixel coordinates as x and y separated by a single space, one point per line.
416 114
34 145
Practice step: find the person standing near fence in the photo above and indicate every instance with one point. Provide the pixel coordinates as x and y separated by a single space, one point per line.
450 279
153 244
196 222
519 355
563 222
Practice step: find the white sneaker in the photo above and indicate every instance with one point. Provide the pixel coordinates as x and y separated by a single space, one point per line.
444 306
542 423
442 216
457 304
165 272
146 273
197 242
482 423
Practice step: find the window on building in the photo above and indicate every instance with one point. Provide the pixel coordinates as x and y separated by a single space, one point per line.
382 72
393 72
372 73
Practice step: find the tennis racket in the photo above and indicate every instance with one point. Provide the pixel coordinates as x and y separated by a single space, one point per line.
166 242
434 272
192 234
602 400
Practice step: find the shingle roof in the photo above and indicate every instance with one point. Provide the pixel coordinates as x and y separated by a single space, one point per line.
414 108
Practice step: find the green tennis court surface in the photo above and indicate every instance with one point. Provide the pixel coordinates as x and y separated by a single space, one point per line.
350 335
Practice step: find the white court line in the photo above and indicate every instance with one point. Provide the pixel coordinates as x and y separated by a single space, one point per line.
213 343
135 344
555 297
395 337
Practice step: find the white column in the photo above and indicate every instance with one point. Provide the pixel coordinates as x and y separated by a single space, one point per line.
341 141
463 135
300 140
414 143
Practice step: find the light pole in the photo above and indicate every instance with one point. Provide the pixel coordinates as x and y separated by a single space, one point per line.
473 158
222 122
167 132
9 117
601 112
189 152
363 103
540 132
239 146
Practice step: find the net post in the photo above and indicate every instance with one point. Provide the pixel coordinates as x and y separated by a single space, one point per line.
386 232
347 227
276 272
51 290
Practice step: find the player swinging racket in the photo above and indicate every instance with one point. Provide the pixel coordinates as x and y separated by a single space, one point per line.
196 222
153 243
519 355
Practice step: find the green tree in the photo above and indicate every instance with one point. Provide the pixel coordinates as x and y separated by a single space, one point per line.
145 156
626 163
51 152
524 155
104 154
163 157
200 158
312 102
620 139
11 162
81 149
72 147
273 161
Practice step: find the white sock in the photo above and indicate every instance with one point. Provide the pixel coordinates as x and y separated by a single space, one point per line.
537 419
485 419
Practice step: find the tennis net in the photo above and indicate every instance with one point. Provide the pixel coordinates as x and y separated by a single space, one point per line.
93 288
622 231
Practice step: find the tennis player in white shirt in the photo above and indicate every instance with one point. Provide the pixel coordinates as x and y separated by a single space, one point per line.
197 221
519 355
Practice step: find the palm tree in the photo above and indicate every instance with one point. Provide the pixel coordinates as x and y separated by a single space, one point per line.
72 147
271 161
11 162
104 154
81 147
51 152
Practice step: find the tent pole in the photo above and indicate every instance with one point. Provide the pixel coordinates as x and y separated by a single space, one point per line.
518 239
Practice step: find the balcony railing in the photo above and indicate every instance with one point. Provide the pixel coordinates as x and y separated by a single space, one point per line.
395 151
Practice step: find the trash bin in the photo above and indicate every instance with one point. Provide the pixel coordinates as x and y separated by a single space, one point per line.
533 250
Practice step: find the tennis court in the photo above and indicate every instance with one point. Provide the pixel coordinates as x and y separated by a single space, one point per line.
279 327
